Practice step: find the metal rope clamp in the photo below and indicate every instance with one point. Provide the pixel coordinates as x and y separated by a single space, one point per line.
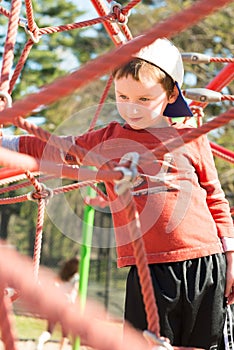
7 97
129 174
24 24
203 95
45 193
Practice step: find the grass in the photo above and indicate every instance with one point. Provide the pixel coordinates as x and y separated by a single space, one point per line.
30 328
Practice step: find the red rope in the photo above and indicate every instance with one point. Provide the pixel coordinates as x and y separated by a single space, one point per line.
14 187
126 9
34 30
4 12
127 32
101 103
8 172
73 173
20 64
101 65
142 266
222 79
190 135
63 189
222 152
23 161
56 191
12 200
30 17
91 159
38 238
141 262
47 300
112 28
151 321
40 221
119 15
222 59
8 55
177 142
72 26
227 98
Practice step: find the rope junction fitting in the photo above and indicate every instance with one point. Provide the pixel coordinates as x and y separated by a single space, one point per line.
153 339
129 173
24 24
194 57
7 98
203 95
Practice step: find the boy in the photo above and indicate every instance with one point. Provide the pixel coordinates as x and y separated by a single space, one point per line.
185 219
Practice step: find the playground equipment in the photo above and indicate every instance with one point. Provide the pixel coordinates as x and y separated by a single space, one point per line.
18 167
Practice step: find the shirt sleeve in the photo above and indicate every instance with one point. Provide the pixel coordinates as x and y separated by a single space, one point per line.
228 244
38 149
215 198
31 145
11 143
41 150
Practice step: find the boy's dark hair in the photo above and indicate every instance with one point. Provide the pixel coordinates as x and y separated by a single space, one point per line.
137 66
68 269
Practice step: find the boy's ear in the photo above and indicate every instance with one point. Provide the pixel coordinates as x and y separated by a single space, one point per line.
174 95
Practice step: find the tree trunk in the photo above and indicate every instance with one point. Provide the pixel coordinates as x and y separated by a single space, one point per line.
5 215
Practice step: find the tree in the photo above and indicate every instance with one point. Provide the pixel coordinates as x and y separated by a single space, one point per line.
46 59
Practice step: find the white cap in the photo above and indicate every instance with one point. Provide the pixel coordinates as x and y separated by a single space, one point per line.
166 56
163 54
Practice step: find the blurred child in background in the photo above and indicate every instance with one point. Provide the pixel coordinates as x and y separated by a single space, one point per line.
68 279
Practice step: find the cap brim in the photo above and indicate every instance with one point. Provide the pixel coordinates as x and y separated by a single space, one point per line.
179 108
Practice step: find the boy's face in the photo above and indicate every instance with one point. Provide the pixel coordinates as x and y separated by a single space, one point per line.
141 103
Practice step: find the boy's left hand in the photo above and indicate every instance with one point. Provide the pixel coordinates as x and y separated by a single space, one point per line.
229 290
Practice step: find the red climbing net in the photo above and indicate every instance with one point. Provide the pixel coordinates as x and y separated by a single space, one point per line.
17 167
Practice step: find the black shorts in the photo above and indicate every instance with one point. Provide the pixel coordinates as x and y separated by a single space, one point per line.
190 300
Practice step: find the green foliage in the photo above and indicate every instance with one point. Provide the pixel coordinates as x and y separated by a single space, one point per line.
226 169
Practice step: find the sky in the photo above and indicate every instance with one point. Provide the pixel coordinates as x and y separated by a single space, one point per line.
86 5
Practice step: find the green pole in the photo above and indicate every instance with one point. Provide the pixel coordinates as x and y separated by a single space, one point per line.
85 251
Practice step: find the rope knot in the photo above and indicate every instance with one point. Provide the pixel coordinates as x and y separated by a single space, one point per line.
118 14
43 193
197 111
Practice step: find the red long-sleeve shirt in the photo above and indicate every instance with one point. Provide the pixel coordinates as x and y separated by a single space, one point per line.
183 211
